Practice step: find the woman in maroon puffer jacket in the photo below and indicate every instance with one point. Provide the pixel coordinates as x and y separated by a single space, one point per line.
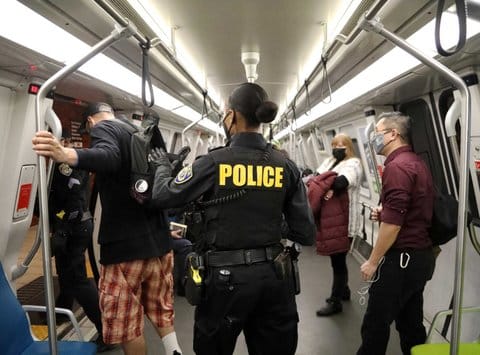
334 199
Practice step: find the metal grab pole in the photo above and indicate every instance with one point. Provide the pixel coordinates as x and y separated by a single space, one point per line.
193 124
376 26
116 34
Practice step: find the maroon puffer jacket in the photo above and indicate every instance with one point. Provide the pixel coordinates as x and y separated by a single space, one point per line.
331 216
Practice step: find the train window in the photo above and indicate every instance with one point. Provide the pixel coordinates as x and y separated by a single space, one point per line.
330 134
319 139
365 190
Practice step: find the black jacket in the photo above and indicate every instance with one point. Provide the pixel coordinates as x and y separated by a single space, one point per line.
128 231
201 179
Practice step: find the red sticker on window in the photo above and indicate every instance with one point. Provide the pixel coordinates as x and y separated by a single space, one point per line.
24 196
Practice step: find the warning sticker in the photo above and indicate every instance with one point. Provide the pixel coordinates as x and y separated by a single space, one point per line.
24 196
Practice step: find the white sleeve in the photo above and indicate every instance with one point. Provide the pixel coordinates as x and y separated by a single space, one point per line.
325 165
352 170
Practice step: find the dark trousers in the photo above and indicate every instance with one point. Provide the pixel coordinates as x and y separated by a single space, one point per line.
252 299
340 275
72 274
397 296
181 247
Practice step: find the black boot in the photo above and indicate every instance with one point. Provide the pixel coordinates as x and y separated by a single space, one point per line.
345 295
332 307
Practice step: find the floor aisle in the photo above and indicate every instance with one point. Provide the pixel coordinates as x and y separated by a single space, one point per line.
336 335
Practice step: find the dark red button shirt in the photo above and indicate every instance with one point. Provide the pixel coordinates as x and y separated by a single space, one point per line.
407 198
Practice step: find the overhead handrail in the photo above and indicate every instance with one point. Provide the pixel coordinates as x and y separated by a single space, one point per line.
166 53
376 26
194 123
334 45
117 34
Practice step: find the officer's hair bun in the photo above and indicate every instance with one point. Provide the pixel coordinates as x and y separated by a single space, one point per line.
266 112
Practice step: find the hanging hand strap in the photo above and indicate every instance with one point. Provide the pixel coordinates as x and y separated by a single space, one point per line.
462 27
146 78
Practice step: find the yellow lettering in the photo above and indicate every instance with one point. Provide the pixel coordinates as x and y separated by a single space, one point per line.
268 174
250 178
225 171
239 175
278 176
259 175
251 175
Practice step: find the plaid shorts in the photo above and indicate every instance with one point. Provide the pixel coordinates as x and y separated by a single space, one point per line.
131 289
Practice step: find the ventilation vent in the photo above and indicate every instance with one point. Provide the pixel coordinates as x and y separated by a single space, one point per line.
125 9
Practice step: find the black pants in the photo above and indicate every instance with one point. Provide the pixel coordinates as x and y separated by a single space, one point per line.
181 247
340 275
252 299
397 296
72 274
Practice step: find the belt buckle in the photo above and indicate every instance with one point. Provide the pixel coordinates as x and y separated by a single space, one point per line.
248 257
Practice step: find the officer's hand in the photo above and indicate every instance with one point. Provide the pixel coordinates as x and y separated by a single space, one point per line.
158 157
159 162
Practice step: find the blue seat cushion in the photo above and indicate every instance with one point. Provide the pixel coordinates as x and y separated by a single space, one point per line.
64 347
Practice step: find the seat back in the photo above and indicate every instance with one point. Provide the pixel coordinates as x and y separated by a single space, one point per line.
444 348
15 334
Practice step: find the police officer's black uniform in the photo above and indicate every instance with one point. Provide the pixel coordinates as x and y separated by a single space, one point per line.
249 186
72 226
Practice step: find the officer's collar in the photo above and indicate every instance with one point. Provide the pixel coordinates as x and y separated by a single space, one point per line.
248 139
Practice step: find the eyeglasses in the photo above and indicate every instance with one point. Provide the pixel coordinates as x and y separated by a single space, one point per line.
384 131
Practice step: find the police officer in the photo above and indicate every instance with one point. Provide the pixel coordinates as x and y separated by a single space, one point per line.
72 227
247 187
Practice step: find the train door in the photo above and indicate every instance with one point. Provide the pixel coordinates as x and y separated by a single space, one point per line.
429 141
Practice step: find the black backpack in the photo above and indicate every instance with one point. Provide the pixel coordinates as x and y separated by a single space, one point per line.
444 218
142 141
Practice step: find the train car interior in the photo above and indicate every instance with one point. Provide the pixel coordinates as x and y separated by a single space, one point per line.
331 66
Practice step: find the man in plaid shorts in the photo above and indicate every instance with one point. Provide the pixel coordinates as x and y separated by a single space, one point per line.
135 250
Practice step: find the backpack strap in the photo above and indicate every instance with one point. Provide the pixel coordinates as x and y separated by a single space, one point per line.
125 123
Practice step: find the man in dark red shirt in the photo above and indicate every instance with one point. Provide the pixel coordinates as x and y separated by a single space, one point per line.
402 260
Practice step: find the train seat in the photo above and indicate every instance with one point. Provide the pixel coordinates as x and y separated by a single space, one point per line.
15 336
444 348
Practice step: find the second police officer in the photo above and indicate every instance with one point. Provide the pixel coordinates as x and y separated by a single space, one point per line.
249 188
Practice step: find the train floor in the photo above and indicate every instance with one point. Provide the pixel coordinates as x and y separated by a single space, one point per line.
335 335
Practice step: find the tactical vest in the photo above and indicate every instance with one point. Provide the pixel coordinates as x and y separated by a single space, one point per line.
250 188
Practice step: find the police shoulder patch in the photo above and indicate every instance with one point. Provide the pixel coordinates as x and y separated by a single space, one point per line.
184 175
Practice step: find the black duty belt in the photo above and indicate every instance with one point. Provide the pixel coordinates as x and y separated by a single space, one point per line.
242 256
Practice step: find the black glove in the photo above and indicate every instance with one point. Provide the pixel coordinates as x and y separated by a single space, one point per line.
159 162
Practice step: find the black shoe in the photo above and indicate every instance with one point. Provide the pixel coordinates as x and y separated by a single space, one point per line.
175 352
345 297
332 307
102 347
